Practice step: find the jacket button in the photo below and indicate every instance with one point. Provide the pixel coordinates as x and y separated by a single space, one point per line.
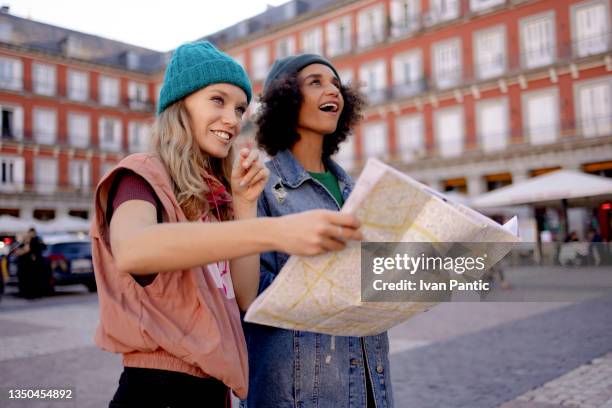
354 362
379 369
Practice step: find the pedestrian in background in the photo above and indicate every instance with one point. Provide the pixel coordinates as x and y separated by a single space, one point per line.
176 241
306 112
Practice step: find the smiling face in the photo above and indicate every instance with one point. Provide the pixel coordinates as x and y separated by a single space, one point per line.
216 113
322 101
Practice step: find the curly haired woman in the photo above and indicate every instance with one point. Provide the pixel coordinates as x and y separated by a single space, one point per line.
306 112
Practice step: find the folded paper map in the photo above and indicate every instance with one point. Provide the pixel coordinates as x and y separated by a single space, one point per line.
323 293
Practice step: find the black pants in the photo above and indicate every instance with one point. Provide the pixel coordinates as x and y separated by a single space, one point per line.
144 387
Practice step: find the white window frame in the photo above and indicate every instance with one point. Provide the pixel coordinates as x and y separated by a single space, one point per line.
346 154
109 90
405 17
138 136
17 125
79 129
312 41
447 77
45 175
480 5
80 175
12 173
371 26
552 128
442 10
45 132
601 124
443 147
492 142
375 93
408 86
372 146
284 47
138 95
78 85
484 69
602 41
114 145
11 73
44 79
338 42
260 62
530 57
410 146
347 75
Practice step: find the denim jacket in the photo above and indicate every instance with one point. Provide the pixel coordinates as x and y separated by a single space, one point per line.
303 369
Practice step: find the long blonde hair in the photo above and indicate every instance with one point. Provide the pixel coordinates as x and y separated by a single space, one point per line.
174 143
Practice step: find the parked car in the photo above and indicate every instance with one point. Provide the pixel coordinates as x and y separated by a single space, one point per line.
69 260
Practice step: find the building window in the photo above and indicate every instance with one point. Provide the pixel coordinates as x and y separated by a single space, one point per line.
45 175
346 76
80 175
138 94
371 26
105 168
541 116
285 47
373 76
78 130
375 140
590 28
109 131
594 107
45 126
12 122
442 10
11 74
239 59
12 173
449 131
492 124
405 16
78 85
411 137
138 136
346 155
495 181
260 62
408 73
312 41
490 52
447 63
44 79
455 185
538 45
109 91
479 5
339 33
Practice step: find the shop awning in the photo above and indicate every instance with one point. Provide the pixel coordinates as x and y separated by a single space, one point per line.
550 189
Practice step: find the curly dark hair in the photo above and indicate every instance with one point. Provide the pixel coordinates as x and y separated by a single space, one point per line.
279 112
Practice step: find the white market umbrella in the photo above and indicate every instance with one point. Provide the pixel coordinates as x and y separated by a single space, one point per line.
64 224
12 224
549 189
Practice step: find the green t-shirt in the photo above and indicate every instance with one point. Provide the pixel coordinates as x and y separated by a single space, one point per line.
330 182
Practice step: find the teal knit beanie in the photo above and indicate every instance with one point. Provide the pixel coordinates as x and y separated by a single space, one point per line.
196 65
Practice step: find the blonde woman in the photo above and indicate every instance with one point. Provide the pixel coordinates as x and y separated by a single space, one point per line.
176 242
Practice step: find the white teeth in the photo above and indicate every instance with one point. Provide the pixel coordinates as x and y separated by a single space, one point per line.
333 106
222 135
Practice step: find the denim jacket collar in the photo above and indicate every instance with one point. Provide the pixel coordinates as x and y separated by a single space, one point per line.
293 173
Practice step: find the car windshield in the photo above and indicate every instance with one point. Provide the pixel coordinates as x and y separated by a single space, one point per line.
70 248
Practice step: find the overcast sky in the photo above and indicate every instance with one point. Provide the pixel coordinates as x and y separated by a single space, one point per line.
156 24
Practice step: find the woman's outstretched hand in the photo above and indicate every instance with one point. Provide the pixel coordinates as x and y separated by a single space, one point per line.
249 177
317 231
